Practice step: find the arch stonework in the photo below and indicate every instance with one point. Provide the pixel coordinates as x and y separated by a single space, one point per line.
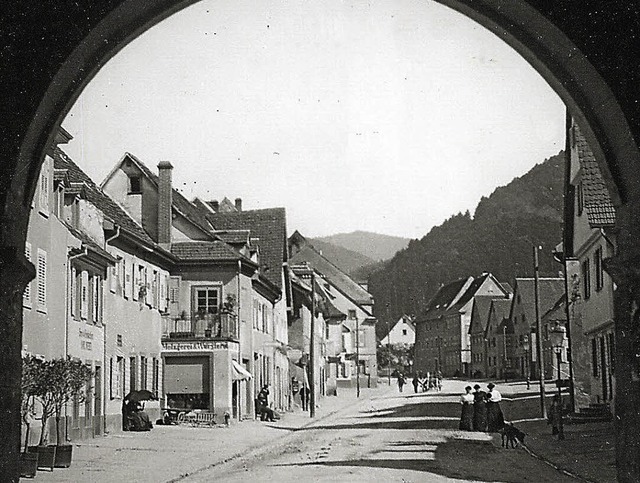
586 50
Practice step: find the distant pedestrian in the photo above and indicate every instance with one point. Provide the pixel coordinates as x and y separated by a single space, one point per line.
553 417
415 383
424 382
495 418
479 409
439 380
304 397
401 381
466 418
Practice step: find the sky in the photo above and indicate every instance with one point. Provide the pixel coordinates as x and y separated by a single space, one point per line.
386 116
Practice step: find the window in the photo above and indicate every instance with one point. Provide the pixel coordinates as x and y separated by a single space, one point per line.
88 402
132 373
113 279
97 299
586 279
119 340
26 295
126 280
594 357
42 280
524 318
143 372
206 300
155 376
361 338
84 295
404 331
597 262
135 186
265 319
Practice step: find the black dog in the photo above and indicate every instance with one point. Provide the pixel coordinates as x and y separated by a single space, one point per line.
511 434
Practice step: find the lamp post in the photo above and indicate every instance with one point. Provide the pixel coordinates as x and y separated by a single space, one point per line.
526 346
557 336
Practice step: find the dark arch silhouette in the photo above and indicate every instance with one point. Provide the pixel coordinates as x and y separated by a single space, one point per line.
587 51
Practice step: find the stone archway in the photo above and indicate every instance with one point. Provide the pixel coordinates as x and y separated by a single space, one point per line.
586 51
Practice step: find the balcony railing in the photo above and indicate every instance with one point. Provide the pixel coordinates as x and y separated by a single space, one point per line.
209 326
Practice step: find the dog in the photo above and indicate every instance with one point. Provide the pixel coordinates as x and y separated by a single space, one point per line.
511 434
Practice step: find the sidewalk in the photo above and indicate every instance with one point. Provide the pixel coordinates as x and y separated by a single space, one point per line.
168 453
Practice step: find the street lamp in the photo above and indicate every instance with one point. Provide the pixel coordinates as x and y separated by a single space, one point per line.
556 337
526 345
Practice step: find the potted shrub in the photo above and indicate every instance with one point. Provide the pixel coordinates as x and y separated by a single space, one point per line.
28 461
56 382
68 377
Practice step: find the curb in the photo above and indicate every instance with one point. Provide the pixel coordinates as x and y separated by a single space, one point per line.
256 450
556 467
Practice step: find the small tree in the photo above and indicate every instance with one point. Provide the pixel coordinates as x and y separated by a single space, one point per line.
54 384
31 371
67 379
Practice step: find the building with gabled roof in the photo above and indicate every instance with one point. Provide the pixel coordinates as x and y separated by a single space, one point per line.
498 340
523 316
477 328
443 341
590 238
354 340
403 331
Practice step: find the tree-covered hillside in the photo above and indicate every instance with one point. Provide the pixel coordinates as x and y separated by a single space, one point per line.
499 238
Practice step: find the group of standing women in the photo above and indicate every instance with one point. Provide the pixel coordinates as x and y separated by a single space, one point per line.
481 409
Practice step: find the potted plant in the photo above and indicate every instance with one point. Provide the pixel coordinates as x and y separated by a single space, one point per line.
67 379
28 461
57 382
38 371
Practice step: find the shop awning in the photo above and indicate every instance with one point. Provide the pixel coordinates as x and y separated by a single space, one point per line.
240 373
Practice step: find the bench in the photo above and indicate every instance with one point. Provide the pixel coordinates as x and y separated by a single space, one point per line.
197 418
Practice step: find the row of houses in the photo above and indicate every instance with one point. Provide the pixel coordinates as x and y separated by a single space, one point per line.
199 302
481 327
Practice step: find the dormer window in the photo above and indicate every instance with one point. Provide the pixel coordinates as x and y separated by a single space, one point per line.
135 186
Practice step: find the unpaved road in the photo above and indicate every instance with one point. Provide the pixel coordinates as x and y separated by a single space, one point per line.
399 437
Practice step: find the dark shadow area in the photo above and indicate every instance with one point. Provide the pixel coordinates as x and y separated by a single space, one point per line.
453 458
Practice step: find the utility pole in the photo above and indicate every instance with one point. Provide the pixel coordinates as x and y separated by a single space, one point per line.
388 347
536 268
312 349
357 357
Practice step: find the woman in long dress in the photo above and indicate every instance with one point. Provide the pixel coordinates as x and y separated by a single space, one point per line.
479 409
495 418
466 418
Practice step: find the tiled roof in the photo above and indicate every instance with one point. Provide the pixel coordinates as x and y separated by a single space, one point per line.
597 202
499 311
270 227
89 243
205 250
550 289
557 312
97 197
180 203
443 298
233 236
334 275
480 312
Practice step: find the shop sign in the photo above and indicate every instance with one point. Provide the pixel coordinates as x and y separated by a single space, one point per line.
194 346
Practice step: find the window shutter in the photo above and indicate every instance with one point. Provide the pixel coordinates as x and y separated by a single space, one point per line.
113 279
42 279
26 296
135 290
74 293
84 294
174 296
154 290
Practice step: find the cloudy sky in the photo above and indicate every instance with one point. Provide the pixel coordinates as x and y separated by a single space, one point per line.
387 116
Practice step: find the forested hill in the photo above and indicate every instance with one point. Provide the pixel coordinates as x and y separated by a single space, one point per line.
497 239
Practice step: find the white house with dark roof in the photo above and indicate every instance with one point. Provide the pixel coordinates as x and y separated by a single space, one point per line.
403 331
589 239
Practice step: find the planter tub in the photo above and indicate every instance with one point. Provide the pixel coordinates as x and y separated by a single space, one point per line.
28 465
46 456
63 455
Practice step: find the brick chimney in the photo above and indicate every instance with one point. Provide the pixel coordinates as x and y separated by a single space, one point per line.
165 198
239 204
